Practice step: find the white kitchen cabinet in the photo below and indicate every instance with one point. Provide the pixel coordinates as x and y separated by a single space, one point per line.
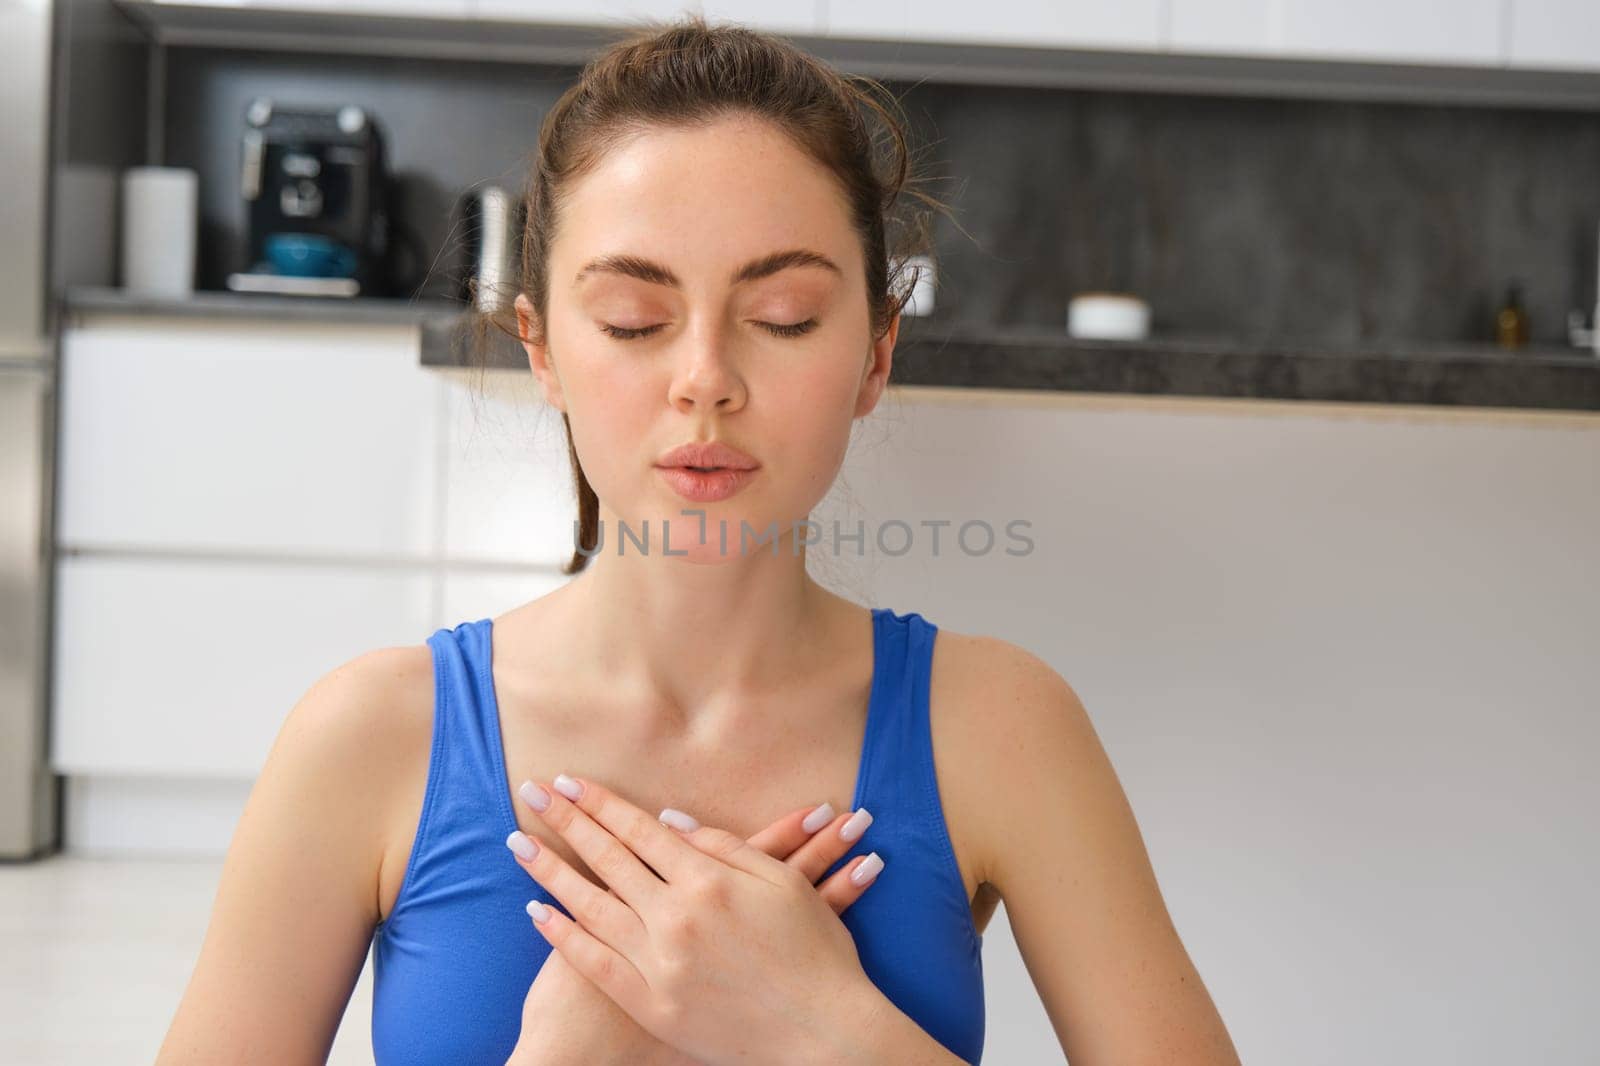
1403 31
247 435
416 8
804 17
508 495
244 505
599 13
187 667
1555 33
1134 25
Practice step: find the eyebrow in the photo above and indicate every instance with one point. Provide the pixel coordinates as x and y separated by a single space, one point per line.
634 266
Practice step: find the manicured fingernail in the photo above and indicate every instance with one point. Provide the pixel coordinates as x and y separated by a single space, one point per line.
538 911
864 873
534 796
856 825
678 820
568 787
524 845
818 818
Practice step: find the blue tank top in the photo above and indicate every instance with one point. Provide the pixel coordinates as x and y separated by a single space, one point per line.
454 959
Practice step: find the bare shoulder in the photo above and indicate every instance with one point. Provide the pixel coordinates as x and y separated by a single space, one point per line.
976 662
990 701
362 734
371 709
377 709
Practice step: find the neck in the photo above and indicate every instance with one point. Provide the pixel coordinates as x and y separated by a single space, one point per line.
700 638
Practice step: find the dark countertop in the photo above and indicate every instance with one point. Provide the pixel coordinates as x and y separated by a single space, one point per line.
1459 374
215 304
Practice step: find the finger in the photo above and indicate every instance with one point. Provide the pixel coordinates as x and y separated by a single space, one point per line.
812 853
617 862
733 851
600 912
844 888
607 969
818 854
785 836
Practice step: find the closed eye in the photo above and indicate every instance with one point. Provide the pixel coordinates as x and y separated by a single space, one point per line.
624 334
792 330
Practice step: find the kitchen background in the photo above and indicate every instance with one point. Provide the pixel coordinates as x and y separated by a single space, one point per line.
1246 218
1315 550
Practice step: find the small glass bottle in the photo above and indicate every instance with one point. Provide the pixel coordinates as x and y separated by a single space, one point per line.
1511 321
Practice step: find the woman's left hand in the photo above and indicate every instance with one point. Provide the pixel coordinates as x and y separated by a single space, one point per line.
729 955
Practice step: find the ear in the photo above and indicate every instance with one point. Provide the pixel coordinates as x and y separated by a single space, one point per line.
875 376
529 327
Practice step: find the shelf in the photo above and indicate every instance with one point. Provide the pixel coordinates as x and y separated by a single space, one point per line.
214 304
487 40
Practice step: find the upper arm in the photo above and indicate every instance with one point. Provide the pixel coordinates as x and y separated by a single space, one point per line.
297 901
1067 857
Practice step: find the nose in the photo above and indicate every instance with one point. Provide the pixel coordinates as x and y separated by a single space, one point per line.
704 375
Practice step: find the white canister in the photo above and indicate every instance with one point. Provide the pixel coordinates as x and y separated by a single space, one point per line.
160 214
1108 316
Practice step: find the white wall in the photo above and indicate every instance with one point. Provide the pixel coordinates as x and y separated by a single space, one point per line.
1344 660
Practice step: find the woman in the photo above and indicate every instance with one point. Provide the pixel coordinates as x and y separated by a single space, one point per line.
705 283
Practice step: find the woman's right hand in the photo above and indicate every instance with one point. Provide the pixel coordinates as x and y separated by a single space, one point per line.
567 1020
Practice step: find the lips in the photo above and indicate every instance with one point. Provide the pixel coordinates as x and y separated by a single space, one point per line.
705 486
707 455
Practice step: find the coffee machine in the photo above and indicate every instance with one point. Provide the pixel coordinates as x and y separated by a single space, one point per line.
316 195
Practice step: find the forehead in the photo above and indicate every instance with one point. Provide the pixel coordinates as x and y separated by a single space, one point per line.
705 199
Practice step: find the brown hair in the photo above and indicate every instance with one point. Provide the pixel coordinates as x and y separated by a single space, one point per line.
687 72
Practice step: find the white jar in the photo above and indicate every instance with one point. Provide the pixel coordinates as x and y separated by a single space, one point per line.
160 214
1108 316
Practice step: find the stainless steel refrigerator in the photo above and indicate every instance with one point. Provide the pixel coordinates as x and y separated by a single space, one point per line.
29 792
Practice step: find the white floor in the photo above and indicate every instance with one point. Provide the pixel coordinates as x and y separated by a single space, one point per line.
95 955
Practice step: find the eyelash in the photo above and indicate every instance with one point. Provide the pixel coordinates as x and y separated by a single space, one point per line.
623 334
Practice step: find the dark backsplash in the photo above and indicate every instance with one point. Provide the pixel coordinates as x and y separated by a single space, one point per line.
1236 218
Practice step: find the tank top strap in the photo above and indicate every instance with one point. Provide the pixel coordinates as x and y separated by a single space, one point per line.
897 766
466 771
464 705
901 789
452 962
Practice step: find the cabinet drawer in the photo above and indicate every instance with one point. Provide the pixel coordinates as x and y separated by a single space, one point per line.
247 435
177 667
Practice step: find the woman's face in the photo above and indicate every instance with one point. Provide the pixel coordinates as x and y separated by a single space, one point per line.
653 341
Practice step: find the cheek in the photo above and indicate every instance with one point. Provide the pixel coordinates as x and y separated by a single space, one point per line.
814 409
607 405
